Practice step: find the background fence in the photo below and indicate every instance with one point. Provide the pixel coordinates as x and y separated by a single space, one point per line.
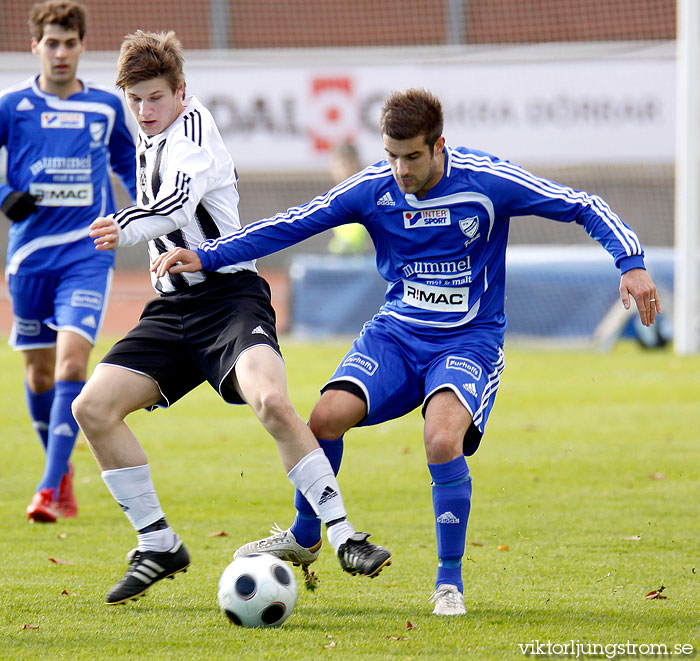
581 91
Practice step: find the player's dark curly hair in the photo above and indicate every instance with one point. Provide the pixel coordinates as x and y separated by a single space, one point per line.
69 15
148 55
414 112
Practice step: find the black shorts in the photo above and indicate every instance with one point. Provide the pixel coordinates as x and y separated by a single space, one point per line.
185 338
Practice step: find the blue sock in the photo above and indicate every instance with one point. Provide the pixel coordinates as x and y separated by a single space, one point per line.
63 430
39 405
307 526
452 494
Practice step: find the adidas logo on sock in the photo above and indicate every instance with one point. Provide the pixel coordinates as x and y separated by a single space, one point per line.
386 200
327 494
259 330
64 429
25 104
447 517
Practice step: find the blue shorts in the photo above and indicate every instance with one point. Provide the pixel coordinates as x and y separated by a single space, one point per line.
74 299
399 366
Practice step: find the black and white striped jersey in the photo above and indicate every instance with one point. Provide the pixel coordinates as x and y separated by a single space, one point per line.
187 193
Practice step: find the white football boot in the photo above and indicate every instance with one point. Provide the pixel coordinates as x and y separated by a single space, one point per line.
448 600
283 545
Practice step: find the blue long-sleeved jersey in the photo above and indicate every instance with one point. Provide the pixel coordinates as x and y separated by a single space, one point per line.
443 256
60 151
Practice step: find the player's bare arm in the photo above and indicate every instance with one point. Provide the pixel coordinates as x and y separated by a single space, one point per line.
105 233
638 284
178 260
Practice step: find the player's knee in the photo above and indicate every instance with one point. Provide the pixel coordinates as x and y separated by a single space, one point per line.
441 446
39 380
71 369
90 411
324 423
274 409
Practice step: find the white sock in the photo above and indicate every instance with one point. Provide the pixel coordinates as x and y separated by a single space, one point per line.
339 533
158 540
133 489
314 477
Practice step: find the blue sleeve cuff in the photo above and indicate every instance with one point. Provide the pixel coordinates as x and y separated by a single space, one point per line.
205 258
629 263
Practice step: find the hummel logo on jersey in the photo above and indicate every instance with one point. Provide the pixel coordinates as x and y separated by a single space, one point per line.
89 321
259 330
386 200
63 429
447 517
25 104
327 494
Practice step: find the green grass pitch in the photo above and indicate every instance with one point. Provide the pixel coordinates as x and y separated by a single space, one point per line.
586 494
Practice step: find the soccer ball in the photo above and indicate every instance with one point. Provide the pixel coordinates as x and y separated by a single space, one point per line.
257 590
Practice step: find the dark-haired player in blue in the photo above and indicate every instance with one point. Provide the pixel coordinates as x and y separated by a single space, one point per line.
438 218
62 137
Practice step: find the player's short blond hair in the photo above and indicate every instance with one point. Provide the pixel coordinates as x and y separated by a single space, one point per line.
147 55
68 15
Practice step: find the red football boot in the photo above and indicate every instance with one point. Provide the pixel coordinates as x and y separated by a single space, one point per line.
67 504
43 508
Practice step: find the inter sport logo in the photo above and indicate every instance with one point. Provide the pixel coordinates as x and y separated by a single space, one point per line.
426 218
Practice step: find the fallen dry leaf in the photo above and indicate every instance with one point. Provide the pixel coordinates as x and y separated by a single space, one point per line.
70 594
30 626
476 543
632 538
58 561
656 594
502 547
62 535
330 645
396 638
410 625
657 476
218 533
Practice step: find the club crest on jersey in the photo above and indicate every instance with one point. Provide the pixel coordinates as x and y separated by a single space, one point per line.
62 120
426 218
97 131
470 229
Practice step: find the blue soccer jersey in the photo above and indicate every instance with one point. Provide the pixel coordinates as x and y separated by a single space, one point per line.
60 151
443 256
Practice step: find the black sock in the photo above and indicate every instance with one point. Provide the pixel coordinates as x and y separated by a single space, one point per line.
161 524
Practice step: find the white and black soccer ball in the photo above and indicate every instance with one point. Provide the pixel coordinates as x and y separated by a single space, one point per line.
257 590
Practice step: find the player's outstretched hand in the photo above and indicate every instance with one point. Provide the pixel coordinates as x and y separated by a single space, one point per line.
638 284
177 260
105 233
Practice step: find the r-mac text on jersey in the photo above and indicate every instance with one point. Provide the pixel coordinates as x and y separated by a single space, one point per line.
418 295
